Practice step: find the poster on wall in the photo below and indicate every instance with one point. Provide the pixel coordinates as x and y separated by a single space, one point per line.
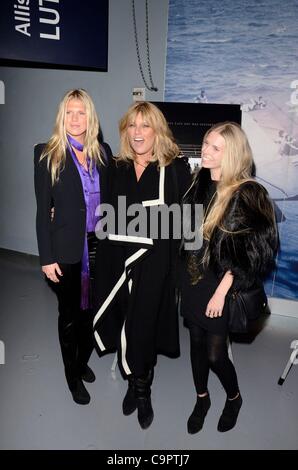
245 53
47 33
190 121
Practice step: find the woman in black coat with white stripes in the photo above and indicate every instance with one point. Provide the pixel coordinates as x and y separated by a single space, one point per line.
137 309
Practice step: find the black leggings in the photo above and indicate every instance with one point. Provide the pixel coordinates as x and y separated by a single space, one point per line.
210 351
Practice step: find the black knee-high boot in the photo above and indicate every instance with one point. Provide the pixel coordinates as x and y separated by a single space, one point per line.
68 344
129 404
143 396
85 344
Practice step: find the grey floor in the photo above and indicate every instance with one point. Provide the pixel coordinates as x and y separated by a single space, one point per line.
37 412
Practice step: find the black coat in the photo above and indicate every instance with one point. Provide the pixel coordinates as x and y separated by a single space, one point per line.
137 313
249 244
249 250
62 239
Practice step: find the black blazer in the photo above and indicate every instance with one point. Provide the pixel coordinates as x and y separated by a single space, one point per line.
62 239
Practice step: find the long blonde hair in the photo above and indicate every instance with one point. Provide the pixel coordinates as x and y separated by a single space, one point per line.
236 168
55 149
165 149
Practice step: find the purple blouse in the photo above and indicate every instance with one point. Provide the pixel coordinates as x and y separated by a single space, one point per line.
91 189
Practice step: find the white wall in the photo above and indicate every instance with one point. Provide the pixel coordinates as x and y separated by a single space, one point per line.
32 96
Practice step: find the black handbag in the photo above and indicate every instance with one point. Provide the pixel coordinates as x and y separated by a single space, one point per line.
246 306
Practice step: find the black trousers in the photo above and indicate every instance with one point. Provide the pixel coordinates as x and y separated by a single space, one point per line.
75 326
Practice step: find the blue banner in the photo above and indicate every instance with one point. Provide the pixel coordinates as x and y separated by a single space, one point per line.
68 33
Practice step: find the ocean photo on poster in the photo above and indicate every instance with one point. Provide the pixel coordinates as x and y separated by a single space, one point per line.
246 53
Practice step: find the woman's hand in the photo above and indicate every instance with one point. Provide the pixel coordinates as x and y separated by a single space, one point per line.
215 305
51 271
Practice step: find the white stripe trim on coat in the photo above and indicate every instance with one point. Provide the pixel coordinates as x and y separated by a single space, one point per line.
130 238
113 292
161 197
99 342
123 351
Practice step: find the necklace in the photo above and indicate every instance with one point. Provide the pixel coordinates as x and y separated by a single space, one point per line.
81 159
141 164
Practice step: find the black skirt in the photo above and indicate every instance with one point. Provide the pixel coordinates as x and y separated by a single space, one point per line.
195 298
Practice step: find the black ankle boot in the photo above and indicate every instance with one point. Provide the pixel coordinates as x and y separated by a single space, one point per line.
143 395
229 415
145 411
196 420
129 404
79 392
87 374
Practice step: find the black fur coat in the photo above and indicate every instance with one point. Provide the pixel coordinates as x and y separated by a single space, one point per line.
248 255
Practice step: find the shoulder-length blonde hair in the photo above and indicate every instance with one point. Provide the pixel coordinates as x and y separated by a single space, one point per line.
55 149
236 168
165 149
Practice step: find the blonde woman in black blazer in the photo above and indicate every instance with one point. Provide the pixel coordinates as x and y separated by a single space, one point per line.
71 179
